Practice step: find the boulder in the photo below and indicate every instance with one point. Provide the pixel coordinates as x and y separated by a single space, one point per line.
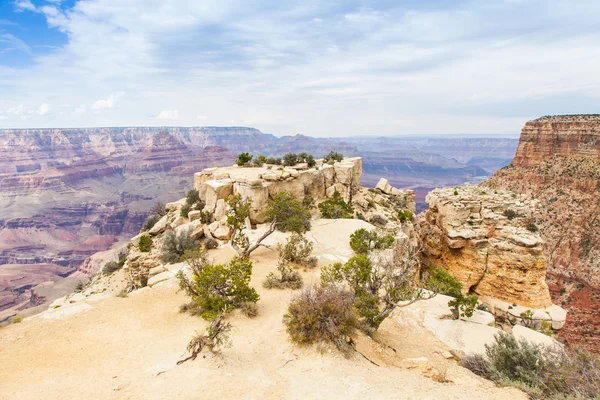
159 227
156 270
174 206
220 230
163 276
194 215
258 194
216 190
341 189
178 222
384 186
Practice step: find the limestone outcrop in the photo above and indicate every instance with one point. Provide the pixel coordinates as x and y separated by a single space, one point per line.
258 184
481 236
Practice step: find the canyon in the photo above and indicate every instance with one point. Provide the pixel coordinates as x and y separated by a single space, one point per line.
557 164
66 194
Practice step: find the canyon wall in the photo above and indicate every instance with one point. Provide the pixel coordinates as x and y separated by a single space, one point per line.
557 163
466 231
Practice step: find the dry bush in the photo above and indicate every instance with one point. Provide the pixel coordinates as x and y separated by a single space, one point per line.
322 314
249 309
297 250
540 371
217 336
288 278
175 245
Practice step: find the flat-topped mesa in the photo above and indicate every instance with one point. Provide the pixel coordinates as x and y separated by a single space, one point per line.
573 136
486 239
259 183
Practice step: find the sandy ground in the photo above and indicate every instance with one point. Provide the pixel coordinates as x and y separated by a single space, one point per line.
127 348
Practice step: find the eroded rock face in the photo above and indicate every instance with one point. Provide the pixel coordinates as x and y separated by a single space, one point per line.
258 184
558 164
468 234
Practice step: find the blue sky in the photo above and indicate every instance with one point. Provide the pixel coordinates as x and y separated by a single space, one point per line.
319 68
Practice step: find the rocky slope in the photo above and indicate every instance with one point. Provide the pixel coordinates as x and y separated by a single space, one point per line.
558 164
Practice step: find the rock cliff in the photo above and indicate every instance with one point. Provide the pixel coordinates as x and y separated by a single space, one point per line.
481 237
558 164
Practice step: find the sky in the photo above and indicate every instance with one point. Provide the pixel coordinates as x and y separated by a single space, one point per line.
319 68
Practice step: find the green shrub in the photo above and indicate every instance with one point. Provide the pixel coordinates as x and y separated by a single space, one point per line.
332 157
510 214
309 159
260 161
150 222
243 159
175 245
273 161
289 213
405 215
145 243
206 217
288 278
440 281
362 241
16 319
455 192
321 314
298 250
290 159
336 207
110 267
532 227
223 287
463 306
192 197
185 210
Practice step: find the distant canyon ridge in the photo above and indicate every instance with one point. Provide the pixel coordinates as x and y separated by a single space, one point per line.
66 194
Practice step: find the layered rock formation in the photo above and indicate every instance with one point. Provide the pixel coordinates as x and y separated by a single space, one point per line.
558 164
467 232
258 184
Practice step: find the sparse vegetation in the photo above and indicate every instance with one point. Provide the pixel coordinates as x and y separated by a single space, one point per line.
362 241
288 278
243 159
16 319
113 266
405 215
322 314
217 336
219 288
158 209
332 157
145 243
176 244
274 161
150 222
531 227
297 250
290 159
284 212
206 217
541 371
441 281
260 161
336 207
378 220
510 214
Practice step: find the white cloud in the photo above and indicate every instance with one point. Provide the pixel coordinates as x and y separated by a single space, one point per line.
24 5
3 117
17 110
43 109
203 117
110 102
168 114
320 68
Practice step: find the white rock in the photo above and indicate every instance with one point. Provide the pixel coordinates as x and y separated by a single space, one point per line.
163 276
384 186
194 215
159 227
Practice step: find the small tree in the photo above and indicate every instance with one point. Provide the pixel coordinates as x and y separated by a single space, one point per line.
290 159
158 209
405 215
463 306
442 282
150 222
510 214
145 243
243 159
284 212
336 207
333 156
297 250
362 241
223 287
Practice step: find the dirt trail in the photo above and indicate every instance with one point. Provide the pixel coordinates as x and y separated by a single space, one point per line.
127 348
